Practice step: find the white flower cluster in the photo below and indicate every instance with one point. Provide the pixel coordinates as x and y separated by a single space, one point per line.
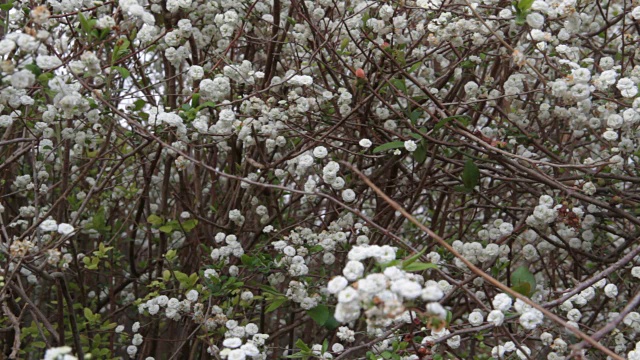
232 247
543 214
174 309
380 295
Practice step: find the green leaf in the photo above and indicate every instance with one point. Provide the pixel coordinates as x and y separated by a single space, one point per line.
84 23
419 266
190 224
167 229
171 255
344 44
123 72
523 281
181 277
302 346
246 259
413 258
420 155
524 5
415 115
275 304
388 146
399 84
470 175
139 104
39 344
332 323
319 314
6 7
88 314
206 104
33 67
155 220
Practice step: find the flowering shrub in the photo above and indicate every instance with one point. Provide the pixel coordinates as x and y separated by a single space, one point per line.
419 179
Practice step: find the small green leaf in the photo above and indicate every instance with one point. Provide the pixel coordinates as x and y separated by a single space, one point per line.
319 314
524 5
302 346
420 155
415 115
419 266
167 229
332 323
190 224
6 7
413 258
389 146
523 281
123 72
171 255
399 84
246 259
88 314
470 175
33 67
344 44
155 220
275 304
181 277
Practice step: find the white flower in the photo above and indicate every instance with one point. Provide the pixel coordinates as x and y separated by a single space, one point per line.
353 270
502 302
6 46
320 152
521 355
55 353
300 80
137 339
237 354
136 326
574 315
365 143
210 273
192 295
48 62
496 317
454 342
627 87
347 295
611 291
531 318
119 329
65 229
429 4
635 13
336 284
250 350
132 350
610 135
196 72
432 293
635 272
410 145
348 195
48 225
232 343
476 318
535 20
589 188
406 288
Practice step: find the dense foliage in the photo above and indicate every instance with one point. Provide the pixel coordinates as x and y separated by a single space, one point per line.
263 179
